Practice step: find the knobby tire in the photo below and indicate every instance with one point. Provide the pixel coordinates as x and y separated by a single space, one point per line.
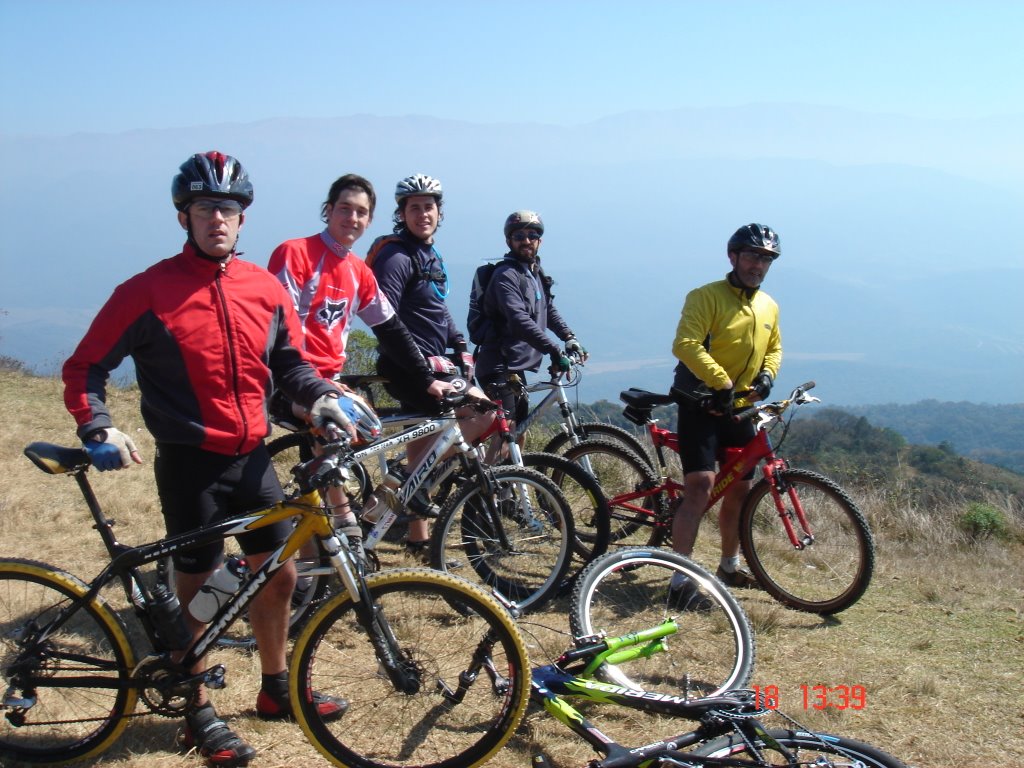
825 577
536 521
439 621
75 722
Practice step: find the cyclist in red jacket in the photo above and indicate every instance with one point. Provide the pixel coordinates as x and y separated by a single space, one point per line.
210 336
728 341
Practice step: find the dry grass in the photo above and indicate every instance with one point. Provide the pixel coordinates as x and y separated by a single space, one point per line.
937 641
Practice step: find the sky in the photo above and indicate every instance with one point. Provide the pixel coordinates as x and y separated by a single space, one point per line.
113 66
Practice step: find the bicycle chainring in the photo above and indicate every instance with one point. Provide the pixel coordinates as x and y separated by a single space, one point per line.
167 690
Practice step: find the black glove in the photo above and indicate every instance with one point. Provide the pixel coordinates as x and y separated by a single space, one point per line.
721 401
763 385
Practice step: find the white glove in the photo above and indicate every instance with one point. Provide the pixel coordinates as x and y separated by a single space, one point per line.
111 449
334 408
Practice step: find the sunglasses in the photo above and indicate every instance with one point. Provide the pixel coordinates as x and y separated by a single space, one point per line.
521 236
205 209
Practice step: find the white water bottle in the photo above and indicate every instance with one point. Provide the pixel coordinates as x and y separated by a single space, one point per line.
215 592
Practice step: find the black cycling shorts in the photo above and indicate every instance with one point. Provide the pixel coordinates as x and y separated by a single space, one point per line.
513 397
702 437
411 396
197 487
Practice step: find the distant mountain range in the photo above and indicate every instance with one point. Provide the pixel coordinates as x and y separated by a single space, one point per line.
897 280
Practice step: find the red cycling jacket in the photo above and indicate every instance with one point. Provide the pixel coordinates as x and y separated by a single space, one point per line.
209 342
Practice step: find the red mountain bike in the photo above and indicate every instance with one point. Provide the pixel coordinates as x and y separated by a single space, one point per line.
802 535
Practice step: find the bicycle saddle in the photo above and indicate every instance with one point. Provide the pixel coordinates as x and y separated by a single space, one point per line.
641 398
56 459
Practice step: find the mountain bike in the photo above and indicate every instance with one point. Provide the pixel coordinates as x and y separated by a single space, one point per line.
805 540
582 496
509 527
434 668
729 730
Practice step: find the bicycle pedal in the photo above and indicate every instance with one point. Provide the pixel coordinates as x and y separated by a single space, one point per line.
213 678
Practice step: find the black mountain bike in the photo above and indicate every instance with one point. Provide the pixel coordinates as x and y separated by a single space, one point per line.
434 668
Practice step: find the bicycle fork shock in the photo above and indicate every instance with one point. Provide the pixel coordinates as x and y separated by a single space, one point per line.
781 492
482 661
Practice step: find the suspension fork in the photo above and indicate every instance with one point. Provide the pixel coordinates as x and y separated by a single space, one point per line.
481 661
781 490
401 671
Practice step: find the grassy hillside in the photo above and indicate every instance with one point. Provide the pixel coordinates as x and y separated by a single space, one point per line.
937 641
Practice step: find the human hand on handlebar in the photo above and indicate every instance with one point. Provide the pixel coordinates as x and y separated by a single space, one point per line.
111 449
573 348
438 389
334 408
560 363
720 402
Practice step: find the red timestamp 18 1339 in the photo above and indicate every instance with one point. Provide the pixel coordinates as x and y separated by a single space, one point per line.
839 697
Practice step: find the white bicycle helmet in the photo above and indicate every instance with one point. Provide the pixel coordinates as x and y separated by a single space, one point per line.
418 184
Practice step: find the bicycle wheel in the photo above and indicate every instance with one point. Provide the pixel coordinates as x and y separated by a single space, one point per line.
620 473
587 504
628 590
825 576
518 541
314 575
441 624
591 430
74 681
806 749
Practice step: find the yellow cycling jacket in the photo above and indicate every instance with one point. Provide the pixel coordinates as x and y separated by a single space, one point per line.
728 334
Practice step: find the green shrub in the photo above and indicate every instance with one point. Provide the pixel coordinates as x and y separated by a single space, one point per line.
982 521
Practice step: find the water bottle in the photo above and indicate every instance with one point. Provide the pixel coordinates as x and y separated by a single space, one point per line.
215 592
168 621
383 497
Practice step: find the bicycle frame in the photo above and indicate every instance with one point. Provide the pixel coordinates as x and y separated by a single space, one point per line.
312 520
737 463
556 393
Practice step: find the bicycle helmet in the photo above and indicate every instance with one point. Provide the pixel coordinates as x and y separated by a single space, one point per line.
211 175
523 220
418 184
755 237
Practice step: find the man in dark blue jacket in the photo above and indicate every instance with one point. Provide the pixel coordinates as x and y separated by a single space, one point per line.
518 312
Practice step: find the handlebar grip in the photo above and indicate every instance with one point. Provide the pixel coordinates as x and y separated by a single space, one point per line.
807 386
746 413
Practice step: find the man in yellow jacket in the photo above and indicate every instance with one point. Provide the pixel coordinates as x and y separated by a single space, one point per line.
727 341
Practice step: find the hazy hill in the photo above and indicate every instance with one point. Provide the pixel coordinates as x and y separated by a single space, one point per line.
893 229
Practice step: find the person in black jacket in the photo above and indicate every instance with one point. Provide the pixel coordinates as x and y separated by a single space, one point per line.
518 311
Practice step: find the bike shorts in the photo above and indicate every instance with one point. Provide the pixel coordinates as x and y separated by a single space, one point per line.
513 398
197 487
703 437
411 397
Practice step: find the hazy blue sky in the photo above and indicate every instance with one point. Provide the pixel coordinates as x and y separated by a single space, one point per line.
115 66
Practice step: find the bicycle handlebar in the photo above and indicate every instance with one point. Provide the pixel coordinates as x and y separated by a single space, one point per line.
796 396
